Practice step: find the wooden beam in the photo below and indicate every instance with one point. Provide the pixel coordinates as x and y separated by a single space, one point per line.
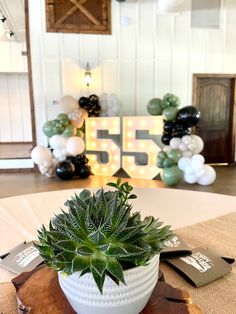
69 13
89 15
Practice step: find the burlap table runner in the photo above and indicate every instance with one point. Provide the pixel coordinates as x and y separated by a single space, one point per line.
218 297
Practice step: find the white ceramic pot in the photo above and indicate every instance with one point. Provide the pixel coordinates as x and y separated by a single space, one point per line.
85 298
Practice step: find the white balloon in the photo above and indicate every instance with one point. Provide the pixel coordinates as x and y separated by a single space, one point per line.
199 145
189 170
186 139
109 113
60 154
48 171
192 147
57 142
175 143
187 154
41 154
208 177
183 147
183 163
46 163
166 149
199 158
75 146
77 117
110 105
196 166
68 104
199 173
190 178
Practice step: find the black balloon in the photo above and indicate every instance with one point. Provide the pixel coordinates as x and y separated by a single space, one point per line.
91 104
79 161
189 116
179 127
65 170
83 102
166 137
84 171
70 158
168 126
94 99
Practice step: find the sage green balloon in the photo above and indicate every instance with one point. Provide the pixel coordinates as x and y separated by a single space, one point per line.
175 155
162 155
63 118
170 113
168 163
171 176
69 131
58 126
154 107
159 163
48 128
79 133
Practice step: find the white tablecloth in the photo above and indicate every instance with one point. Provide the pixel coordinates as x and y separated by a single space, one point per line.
21 216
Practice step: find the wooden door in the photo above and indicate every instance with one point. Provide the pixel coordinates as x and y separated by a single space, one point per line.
214 96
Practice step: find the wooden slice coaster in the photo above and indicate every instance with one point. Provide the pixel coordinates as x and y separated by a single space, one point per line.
38 292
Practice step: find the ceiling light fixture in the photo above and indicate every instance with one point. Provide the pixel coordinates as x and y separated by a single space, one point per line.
10 34
3 19
88 75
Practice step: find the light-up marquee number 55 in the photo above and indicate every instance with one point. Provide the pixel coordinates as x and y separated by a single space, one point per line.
131 145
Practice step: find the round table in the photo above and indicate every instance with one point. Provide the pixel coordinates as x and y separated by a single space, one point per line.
21 216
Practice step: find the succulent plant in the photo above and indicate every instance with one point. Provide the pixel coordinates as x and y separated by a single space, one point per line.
99 234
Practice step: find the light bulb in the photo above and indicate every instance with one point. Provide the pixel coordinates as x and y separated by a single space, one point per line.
10 34
88 76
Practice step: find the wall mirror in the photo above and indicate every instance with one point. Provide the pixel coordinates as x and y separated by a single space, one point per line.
17 129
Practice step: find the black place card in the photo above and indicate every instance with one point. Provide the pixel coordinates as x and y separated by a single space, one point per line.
24 257
174 247
201 267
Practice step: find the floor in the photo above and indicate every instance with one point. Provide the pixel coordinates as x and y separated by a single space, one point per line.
25 183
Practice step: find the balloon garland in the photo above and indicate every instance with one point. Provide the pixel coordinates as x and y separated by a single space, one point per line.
180 158
64 157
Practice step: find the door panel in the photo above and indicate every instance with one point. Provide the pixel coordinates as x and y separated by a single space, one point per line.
214 97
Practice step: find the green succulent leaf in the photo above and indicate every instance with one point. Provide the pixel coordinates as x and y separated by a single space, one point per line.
115 269
67 245
44 250
84 251
98 279
80 263
96 237
85 195
99 263
116 251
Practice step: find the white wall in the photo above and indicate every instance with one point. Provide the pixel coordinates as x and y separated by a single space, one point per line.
156 54
15 117
11 59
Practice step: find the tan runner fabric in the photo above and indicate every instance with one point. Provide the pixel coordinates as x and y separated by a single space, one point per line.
218 297
7 299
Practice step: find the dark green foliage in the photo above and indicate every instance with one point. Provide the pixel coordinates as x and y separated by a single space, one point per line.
99 234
